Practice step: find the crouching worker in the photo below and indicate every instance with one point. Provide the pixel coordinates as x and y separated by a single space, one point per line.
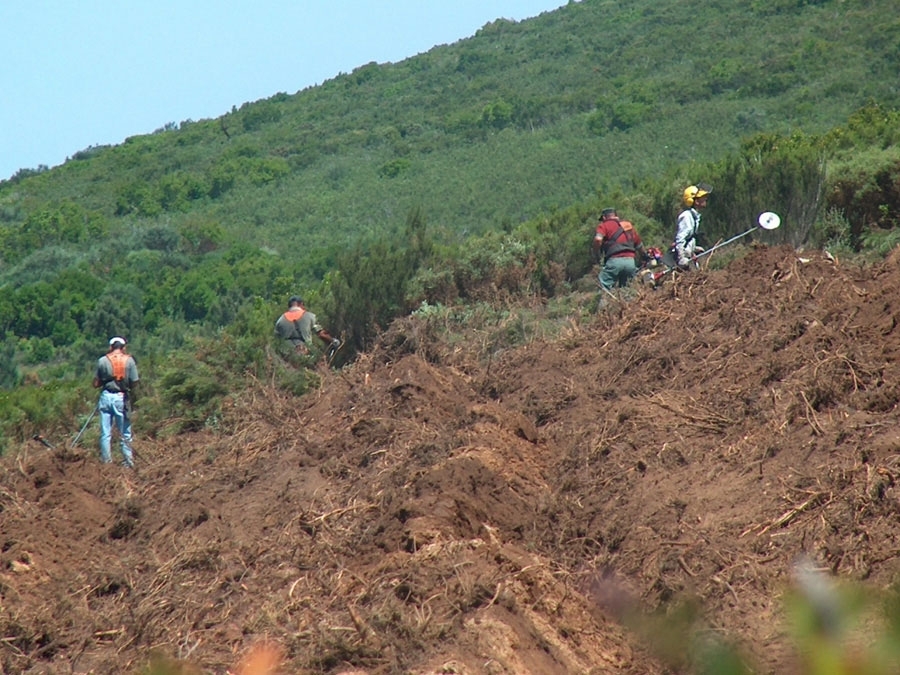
117 378
298 324
620 245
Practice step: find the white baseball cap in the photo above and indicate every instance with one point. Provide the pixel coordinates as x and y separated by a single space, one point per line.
115 340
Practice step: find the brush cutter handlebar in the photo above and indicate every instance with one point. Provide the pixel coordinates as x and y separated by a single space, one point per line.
43 441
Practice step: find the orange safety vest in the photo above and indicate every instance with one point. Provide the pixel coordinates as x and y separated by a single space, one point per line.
119 362
294 314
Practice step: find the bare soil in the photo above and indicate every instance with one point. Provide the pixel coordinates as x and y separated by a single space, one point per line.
431 509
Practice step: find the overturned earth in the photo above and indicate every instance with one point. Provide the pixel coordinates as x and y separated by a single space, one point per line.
600 499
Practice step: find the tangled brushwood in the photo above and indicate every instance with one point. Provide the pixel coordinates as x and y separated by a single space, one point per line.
627 491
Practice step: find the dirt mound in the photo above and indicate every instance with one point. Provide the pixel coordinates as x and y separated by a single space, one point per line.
430 510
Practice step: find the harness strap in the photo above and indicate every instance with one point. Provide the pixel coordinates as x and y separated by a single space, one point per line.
294 314
118 362
611 246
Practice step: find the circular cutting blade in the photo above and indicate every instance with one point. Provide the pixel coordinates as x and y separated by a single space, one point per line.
769 220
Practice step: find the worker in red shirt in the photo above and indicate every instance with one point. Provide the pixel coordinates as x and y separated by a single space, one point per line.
621 247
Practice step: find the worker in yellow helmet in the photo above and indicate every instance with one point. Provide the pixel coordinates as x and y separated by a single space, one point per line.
685 246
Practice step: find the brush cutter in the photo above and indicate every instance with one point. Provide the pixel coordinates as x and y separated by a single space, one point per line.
767 220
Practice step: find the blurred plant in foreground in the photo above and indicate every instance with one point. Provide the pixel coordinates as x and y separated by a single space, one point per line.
263 659
836 628
842 629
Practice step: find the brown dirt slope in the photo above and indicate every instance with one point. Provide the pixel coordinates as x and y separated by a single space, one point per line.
429 510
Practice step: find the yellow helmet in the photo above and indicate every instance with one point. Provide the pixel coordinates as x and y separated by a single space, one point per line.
694 192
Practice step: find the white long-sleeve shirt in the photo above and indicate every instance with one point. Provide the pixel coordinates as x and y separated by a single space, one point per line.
686 233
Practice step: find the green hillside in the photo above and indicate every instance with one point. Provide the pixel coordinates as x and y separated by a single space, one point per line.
380 188
519 119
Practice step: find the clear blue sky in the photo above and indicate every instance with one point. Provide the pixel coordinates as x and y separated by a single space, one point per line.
78 73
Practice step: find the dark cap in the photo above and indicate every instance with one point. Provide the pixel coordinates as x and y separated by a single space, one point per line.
608 213
295 300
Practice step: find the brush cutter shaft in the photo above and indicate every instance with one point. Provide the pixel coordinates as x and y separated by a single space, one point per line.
86 422
720 245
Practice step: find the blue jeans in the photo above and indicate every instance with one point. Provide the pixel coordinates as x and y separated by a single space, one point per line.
112 411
